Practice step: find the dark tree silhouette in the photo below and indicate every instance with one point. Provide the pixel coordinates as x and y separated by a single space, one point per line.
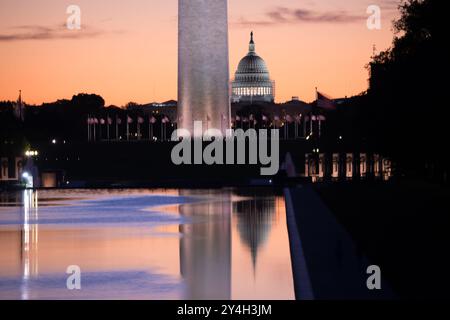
407 86
403 112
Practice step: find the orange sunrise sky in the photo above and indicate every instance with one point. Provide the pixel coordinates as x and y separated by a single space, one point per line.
127 50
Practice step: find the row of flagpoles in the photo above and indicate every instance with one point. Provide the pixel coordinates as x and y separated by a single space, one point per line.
285 123
309 124
94 123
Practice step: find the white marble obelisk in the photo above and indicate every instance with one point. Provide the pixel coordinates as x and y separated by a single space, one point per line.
203 66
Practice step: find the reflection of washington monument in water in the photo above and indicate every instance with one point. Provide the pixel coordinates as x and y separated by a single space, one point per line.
205 247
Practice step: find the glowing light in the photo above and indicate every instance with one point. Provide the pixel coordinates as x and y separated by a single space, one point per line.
31 153
28 179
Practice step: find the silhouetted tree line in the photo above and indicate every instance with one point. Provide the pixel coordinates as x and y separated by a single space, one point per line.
66 120
403 113
62 119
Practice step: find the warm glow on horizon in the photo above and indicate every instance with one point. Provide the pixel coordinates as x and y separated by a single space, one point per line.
128 51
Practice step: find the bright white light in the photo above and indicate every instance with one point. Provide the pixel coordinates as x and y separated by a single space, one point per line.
28 179
54 141
31 153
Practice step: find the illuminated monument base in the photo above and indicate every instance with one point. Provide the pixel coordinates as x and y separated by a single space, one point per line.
203 67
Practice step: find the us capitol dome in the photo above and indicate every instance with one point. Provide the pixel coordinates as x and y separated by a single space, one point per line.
252 80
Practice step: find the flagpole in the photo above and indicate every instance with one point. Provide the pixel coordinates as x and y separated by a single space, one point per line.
296 128
117 129
286 123
150 129
305 124
288 126
128 129
320 127
89 128
107 127
138 130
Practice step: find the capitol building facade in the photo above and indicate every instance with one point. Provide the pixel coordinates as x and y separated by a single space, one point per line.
252 81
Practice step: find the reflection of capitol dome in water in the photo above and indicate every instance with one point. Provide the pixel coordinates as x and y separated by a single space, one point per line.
254 221
252 80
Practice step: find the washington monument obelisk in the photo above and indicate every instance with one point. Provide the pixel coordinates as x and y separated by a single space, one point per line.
203 67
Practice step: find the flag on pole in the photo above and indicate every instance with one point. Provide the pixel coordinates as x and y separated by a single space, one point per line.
152 120
19 108
324 102
108 122
140 120
208 119
129 120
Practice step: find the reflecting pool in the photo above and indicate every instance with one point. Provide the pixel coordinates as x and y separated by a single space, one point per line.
145 244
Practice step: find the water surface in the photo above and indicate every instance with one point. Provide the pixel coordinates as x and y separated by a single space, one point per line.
145 244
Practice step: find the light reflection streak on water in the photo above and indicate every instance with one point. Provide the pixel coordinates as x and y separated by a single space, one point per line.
29 239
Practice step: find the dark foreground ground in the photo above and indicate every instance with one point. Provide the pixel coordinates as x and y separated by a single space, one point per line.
402 226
